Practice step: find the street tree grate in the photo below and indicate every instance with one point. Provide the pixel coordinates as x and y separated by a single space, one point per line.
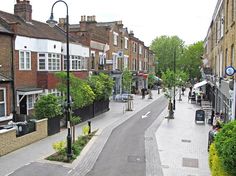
136 159
190 162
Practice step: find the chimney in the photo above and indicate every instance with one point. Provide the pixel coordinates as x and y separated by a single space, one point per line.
23 9
131 33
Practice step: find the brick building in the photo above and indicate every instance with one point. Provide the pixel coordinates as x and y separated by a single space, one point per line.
6 79
38 52
219 53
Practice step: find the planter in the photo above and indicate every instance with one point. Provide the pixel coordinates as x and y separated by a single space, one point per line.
53 125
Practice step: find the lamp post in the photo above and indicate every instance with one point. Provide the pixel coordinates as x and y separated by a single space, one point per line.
52 23
174 77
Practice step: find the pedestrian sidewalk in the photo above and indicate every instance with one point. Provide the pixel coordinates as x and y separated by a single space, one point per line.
37 151
182 143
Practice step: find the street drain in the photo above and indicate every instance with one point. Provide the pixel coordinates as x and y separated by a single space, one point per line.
190 162
186 140
136 159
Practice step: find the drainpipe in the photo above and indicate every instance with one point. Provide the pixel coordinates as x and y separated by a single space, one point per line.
13 80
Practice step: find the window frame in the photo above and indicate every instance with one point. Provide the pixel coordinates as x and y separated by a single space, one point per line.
25 64
4 102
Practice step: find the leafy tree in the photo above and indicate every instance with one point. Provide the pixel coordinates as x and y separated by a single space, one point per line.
181 78
127 80
97 86
168 78
81 93
107 83
151 80
47 107
191 60
165 49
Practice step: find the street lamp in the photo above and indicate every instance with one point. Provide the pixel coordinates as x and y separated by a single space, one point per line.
51 22
174 77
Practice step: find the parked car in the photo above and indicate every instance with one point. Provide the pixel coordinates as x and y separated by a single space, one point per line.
124 97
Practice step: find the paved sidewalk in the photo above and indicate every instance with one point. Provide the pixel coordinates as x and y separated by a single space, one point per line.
182 144
37 151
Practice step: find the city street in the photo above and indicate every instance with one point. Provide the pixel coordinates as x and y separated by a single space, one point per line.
124 152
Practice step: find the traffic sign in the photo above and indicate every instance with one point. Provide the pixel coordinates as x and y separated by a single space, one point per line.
229 71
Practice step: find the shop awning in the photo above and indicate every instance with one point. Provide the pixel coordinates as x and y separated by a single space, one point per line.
199 84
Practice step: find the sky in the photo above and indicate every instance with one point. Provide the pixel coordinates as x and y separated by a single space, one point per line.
188 19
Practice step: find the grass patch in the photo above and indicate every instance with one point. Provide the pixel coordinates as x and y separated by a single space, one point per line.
77 147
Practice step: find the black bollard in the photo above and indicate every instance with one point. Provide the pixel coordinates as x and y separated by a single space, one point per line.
89 125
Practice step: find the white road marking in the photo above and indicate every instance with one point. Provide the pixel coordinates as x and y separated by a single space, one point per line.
146 115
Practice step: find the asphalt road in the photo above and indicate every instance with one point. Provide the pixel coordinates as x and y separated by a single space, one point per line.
124 152
41 169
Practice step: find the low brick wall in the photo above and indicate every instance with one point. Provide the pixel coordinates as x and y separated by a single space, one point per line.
9 142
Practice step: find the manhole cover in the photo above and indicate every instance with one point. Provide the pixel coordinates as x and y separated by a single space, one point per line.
190 162
186 140
136 159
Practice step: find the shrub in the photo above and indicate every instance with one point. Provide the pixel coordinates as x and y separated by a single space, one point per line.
225 143
47 107
85 130
215 163
75 120
59 146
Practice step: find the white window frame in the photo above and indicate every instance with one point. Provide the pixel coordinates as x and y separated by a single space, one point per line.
140 49
81 62
126 58
115 61
25 63
55 62
45 60
30 104
126 42
4 102
115 38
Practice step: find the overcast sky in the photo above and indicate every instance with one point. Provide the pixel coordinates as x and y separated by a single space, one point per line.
188 19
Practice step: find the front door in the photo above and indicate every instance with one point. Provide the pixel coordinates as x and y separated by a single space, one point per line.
23 105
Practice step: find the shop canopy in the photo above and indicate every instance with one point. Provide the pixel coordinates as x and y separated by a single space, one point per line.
200 84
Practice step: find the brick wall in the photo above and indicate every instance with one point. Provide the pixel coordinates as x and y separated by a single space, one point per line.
26 78
9 142
5 55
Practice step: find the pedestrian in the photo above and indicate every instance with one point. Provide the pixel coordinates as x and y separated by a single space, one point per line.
143 93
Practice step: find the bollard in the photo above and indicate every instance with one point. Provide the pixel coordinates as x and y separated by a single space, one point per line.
89 125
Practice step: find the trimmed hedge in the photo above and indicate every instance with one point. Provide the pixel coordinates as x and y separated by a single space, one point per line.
215 163
225 144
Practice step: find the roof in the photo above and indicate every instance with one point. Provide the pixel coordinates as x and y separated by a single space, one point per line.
34 29
4 79
3 29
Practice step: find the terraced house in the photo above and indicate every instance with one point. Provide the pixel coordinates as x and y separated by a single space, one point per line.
219 53
37 51
32 52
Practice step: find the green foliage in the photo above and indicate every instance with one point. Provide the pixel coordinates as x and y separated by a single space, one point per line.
225 143
75 120
127 80
59 146
97 86
81 93
85 130
181 77
191 60
77 147
47 107
164 48
151 80
168 78
215 163
107 83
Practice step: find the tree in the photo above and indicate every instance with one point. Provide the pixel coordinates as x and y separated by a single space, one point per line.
47 107
127 80
81 93
107 83
191 60
151 80
164 48
97 86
